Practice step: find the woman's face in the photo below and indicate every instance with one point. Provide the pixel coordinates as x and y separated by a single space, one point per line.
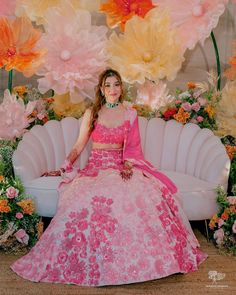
112 89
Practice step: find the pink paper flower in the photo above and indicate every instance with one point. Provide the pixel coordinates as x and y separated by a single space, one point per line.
14 116
12 192
7 8
196 106
193 19
186 106
19 215
22 236
155 95
234 227
76 53
200 119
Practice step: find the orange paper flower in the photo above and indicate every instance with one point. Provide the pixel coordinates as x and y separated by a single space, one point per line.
18 39
27 206
181 116
1 178
231 72
4 208
119 11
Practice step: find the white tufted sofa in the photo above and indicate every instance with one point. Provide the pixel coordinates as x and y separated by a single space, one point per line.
193 158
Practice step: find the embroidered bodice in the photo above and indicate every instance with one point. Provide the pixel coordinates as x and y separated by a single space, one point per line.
109 135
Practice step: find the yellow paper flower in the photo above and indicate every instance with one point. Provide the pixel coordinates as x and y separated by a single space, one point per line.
63 107
149 48
36 9
27 206
181 116
226 111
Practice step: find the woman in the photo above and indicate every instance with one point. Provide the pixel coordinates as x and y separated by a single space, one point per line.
117 221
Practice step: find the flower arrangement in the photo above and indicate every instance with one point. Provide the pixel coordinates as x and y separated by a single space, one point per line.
223 223
20 226
195 105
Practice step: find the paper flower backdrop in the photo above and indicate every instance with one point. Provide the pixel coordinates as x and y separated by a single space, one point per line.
18 40
193 19
149 48
156 95
119 11
75 54
14 116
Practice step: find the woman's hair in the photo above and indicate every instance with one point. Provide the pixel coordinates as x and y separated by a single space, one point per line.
100 99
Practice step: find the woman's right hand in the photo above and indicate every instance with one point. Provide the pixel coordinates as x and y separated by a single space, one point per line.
52 173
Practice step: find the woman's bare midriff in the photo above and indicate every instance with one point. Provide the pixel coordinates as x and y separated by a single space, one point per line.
97 145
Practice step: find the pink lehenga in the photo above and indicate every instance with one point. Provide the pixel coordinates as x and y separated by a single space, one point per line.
108 231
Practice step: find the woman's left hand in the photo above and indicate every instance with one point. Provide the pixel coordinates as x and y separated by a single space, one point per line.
126 173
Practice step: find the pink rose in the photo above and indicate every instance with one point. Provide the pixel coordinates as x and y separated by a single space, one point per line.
234 227
196 106
40 116
200 119
12 192
194 121
219 236
232 200
220 222
202 101
19 215
22 236
186 106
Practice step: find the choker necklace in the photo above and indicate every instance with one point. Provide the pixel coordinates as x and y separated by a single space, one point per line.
111 105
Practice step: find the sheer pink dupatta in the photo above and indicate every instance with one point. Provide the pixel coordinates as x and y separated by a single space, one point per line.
132 151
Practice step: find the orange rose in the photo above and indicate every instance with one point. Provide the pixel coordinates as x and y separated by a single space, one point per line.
4 208
225 215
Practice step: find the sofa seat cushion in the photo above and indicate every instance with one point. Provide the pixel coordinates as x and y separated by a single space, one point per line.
43 191
197 196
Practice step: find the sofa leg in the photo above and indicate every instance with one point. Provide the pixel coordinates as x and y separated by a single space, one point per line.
207 232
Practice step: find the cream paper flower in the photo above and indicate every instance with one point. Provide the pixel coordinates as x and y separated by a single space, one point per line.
226 111
36 9
149 48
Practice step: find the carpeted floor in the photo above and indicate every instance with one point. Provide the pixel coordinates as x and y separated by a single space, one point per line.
196 283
